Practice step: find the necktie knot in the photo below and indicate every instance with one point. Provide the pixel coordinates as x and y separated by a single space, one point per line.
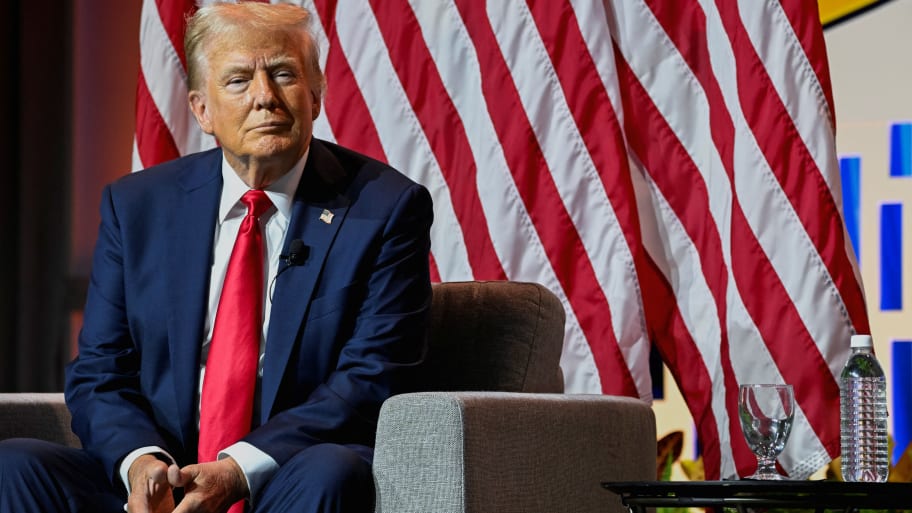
257 202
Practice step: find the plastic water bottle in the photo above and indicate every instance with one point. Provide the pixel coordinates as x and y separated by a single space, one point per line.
863 419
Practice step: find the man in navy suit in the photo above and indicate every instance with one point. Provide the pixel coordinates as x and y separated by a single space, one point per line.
345 302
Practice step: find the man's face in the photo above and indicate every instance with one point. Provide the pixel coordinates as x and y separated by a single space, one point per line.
256 98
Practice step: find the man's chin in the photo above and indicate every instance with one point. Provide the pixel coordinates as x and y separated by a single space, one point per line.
277 153
275 147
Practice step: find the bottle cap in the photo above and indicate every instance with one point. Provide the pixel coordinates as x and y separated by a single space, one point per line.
862 341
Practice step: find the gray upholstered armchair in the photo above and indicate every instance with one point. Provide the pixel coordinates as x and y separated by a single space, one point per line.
494 433
491 433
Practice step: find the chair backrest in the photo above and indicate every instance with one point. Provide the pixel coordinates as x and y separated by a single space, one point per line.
495 335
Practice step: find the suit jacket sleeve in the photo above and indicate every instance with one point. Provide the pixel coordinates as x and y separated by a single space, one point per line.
111 416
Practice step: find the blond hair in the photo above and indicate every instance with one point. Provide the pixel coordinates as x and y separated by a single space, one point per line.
212 21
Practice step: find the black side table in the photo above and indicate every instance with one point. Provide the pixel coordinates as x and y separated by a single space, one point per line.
818 495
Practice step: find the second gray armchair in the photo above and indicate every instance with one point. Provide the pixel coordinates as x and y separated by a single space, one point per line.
494 433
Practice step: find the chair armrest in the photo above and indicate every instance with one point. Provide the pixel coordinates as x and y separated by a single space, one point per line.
43 416
510 452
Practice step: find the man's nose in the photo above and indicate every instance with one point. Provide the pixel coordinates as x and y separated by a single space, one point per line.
263 91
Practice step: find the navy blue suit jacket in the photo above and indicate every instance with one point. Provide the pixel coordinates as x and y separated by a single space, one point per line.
346 331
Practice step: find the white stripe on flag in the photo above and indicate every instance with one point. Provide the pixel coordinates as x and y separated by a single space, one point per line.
321 127
405 145
809 283
577 180
514 236
679 261
794 79
166 80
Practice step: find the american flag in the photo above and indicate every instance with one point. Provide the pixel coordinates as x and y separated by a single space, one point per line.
666 167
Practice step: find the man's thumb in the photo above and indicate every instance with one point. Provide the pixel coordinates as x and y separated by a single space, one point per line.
180 477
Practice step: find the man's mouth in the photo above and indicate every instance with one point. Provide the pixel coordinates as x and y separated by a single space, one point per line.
272 125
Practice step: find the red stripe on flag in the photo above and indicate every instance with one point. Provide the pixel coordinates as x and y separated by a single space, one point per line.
682 357
680 20
591 108
153 139
344 104
792 164
443 128
435 271
173 15
787 339
805 20
602 135
775 316
555 228
660 151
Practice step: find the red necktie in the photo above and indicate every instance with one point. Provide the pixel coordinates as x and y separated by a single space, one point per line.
226 406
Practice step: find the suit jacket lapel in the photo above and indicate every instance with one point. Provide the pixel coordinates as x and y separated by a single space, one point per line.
193 219
317 192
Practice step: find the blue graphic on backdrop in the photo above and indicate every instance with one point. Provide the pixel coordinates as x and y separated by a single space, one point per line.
901 149
850 169
891 264
901 411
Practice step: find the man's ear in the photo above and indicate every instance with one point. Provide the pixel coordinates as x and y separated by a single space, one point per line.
200 112
317 105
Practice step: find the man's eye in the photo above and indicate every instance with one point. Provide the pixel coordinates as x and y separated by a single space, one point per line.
283 75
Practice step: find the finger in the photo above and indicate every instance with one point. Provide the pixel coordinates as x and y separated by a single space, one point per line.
189 505
137 503
156 489
158 472
175 477
180 477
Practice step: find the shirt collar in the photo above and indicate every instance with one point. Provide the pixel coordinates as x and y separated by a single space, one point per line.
281 192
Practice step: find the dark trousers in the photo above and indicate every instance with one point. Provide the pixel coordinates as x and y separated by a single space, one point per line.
41 477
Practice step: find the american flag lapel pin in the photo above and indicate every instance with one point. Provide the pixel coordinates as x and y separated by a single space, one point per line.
327 216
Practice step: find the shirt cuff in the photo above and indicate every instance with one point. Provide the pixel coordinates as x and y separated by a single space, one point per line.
256 465
130 458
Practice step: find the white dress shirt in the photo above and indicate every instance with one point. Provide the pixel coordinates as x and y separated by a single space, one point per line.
256 465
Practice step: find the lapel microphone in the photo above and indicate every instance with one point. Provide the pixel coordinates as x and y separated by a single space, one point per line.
297 255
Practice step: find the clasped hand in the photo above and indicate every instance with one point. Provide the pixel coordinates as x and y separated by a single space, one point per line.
208 487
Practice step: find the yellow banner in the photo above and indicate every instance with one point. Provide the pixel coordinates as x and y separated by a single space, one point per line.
834 10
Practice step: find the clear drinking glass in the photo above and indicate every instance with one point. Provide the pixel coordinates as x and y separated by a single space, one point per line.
766 413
